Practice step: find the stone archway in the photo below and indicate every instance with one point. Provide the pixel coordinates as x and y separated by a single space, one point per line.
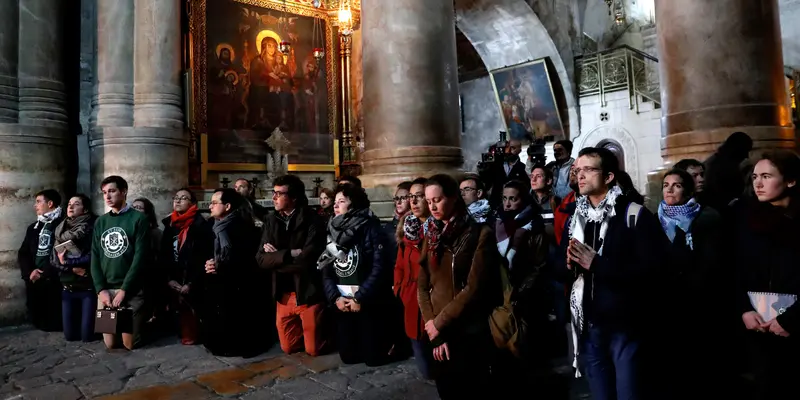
621 137
508 32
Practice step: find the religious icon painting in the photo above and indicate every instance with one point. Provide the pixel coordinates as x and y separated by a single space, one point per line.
527 101
258 68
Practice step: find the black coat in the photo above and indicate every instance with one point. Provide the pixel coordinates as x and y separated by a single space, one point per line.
496 176
766 256
623 282
187 264
26 256
376 261
305 232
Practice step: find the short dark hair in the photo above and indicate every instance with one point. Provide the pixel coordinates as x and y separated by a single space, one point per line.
119 181
625 183
297 189
405 185
232 197
567 144
249 184
192 196
450 189
475 178
358 197
686 180
548 173
418 181
352 179
788 164
687 163
608 161
86 202
524 193
50 195
149 211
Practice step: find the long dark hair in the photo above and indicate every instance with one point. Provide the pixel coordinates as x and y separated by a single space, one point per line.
149 211
788 164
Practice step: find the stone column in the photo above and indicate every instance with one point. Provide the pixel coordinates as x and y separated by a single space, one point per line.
149 150
721 71
113 100
410 103
9 89
32 149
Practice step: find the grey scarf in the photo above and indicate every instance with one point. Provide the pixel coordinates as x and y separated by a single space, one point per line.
342 235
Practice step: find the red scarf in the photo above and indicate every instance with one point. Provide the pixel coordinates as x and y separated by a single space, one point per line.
182 222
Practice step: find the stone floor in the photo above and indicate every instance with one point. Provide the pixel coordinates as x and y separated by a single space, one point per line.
37 365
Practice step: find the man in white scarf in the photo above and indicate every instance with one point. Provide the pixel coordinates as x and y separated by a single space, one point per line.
43 288
474 195
613 246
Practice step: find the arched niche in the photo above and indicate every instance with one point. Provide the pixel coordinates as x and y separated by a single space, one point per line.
619 136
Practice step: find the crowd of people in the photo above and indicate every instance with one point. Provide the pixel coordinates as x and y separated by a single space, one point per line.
482 278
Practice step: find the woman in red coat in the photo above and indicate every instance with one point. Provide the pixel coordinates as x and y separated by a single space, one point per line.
410 233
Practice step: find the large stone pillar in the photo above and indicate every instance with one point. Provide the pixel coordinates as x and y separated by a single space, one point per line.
721 71
410 101
113 99
33 125
147 147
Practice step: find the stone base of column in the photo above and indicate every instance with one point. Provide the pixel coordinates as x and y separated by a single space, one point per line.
384 169
700 144
154 162
33 159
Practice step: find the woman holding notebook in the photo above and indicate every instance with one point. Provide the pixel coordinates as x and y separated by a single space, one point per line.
71 257
767 256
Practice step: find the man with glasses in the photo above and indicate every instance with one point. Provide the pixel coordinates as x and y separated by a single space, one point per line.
615 248
473 193
292 240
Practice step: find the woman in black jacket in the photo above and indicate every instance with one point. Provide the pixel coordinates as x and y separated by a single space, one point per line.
229 319
767 255
186 244
358 279
695 273
78 300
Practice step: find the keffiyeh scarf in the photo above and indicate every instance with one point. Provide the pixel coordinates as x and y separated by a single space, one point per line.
48 217
509 230
414 228
681 216
479 210
584 213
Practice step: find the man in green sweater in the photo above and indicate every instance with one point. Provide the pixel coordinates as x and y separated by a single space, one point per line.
120 247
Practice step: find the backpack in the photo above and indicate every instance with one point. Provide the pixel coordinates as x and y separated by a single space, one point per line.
507 330
632 215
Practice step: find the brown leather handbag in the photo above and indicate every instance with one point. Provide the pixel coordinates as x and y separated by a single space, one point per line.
113 320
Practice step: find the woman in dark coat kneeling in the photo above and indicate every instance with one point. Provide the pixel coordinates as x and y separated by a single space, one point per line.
358 279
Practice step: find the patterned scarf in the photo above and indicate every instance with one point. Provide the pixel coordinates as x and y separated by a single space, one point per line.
584 213
414 228
48 217
680 216
439 231
479 210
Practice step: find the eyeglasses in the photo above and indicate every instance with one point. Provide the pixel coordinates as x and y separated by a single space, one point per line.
181 198
400 198
216 203
417 197
279 194
467 190
587 170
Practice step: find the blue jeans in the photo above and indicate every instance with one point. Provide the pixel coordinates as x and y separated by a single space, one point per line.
611 361
77 312
423 357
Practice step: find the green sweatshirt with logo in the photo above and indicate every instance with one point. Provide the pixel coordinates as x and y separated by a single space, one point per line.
120 247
